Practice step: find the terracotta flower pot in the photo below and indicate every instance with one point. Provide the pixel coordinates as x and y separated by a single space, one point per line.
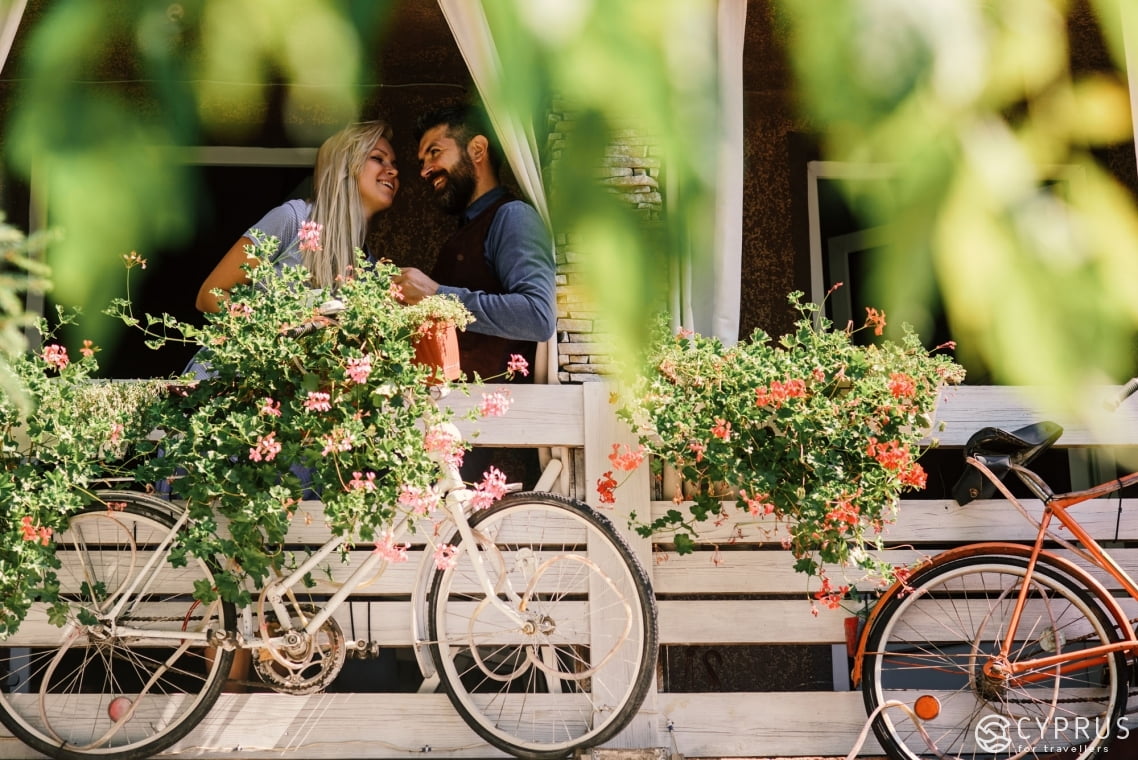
437 348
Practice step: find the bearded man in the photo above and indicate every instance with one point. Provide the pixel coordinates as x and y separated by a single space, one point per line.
499 262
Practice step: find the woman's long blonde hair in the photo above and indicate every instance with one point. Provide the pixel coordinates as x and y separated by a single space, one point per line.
336 201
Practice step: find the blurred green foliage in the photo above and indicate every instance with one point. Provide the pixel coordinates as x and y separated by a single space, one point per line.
109 89
996 196
21 272
95 149
618 68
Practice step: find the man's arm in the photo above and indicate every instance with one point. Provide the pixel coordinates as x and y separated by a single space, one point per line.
520 250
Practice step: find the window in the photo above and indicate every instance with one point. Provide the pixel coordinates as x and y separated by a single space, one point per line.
236 187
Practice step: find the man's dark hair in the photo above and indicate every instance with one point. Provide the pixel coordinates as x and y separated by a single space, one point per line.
463 121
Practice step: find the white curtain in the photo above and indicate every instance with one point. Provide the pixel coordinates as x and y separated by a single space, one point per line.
705 290
10 15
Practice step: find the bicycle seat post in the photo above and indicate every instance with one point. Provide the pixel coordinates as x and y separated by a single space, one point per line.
1034 483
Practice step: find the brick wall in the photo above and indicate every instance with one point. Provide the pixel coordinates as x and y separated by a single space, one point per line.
630 169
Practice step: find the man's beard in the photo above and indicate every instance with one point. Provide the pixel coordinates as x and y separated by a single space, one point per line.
455 194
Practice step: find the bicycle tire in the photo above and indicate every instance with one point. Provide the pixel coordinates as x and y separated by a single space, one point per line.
559 686
66 687
935 639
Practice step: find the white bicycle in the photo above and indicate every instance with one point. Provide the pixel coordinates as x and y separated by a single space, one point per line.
545 605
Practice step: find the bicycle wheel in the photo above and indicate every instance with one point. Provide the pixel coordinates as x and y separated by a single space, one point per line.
573 667
83 690
939 641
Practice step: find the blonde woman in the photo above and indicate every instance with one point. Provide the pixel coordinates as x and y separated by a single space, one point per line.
355 178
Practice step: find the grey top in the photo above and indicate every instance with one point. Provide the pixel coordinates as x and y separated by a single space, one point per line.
283 223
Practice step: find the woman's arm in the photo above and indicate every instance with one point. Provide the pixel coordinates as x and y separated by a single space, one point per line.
227 274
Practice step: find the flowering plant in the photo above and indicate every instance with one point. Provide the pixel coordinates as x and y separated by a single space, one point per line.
308 394
815 432
60 433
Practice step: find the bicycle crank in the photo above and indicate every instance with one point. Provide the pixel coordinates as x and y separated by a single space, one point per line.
301 663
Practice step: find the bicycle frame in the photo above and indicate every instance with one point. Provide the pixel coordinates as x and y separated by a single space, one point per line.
1055 506
456 501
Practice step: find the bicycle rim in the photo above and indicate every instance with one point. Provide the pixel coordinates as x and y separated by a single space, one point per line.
936 640
578 668
81 690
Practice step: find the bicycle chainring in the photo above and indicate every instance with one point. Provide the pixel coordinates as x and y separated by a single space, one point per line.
302 664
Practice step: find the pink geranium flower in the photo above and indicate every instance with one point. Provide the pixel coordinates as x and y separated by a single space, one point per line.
359 369
517 363
628 459
360 482
442 442
391 551
492 488
318 402
421 501
56 356
495 404
338 440
445 558
266 449
309 236
33 532
606 484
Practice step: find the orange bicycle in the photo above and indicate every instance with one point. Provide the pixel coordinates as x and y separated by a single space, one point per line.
1003 650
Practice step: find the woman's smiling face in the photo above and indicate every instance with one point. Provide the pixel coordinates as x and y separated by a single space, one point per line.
379 178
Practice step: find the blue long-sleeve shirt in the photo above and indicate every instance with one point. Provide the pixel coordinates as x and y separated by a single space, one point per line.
520 250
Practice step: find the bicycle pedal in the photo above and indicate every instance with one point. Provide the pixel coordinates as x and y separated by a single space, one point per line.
363 650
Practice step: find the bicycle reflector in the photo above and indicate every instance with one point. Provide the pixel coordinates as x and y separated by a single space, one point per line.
927 707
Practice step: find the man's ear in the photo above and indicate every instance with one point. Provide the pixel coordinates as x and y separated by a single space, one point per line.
479 149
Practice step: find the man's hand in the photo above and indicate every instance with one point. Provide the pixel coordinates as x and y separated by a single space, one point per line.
415 285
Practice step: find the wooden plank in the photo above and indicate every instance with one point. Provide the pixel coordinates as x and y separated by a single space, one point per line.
964 409
549 415
539 415
947 521
941 521
730 621
747 724
771 572
331 726
709 621
405 726
386 622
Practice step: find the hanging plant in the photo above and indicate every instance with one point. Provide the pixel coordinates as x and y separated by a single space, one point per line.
815 431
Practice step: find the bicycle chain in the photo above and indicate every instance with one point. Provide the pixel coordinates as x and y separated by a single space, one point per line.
1067 701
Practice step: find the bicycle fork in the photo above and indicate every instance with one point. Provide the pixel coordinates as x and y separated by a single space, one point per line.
512 605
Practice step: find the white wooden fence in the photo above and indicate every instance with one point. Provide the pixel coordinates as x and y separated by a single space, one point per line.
748 597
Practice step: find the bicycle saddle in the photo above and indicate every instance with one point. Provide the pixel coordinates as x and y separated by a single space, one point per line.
998 450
